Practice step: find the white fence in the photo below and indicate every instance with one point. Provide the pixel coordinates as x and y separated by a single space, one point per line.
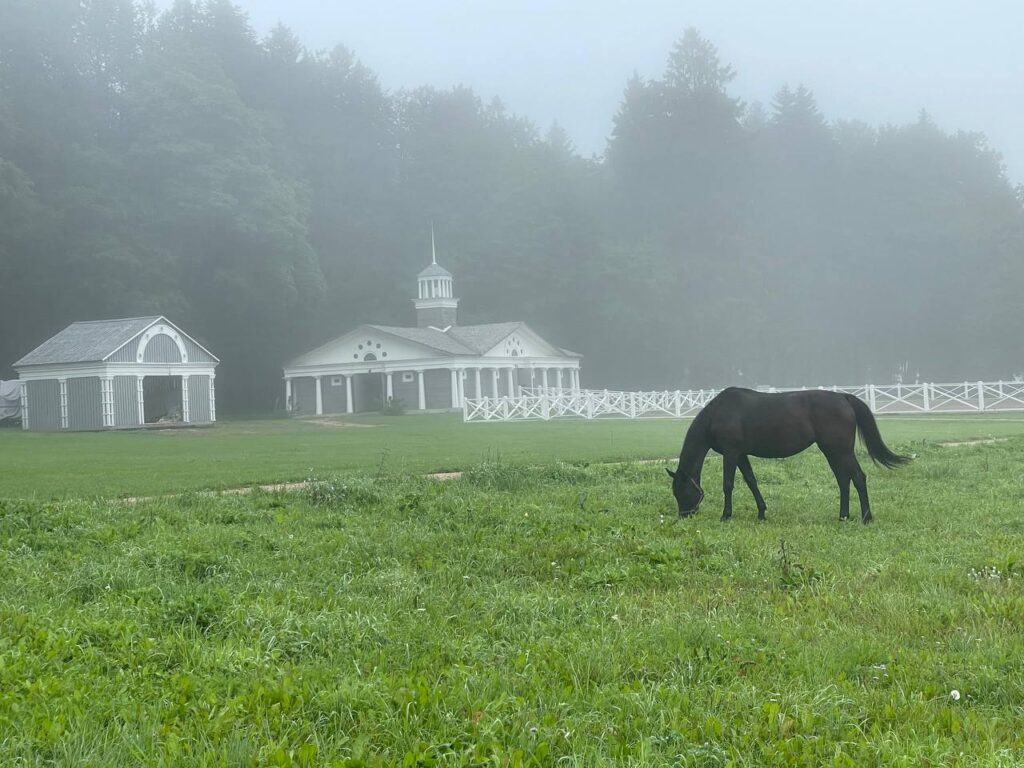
551 403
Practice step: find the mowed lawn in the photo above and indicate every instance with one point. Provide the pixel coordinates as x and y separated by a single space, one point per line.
239 453
529 613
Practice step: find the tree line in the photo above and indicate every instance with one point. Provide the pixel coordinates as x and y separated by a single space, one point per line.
268 197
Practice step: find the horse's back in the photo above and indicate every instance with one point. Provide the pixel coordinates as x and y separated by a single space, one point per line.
777 424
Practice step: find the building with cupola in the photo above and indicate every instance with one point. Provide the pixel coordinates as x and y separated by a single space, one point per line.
433 366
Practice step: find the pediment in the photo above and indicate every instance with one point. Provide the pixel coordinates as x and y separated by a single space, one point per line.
364 344
523 342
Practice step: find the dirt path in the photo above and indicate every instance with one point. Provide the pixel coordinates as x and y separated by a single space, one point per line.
303 484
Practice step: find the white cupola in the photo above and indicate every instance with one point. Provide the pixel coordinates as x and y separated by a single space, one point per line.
436 305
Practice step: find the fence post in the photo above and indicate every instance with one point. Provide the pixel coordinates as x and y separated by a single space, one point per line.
545 407
590 405
679 403
924 390
632 405
871 397
981 396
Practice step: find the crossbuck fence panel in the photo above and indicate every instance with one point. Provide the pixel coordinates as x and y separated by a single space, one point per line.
553 403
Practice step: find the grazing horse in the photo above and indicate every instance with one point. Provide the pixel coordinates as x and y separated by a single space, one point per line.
739 423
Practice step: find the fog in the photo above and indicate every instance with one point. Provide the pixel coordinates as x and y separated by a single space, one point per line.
689 195
566 61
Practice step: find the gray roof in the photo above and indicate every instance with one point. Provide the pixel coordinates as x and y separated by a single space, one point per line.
428 337
481 338
87 342
434 270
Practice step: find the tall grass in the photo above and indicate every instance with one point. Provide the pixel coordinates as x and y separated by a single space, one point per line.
523 615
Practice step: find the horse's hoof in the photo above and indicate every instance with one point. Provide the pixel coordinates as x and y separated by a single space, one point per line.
725 518
866 518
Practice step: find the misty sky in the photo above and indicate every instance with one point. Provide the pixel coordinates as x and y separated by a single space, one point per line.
568 60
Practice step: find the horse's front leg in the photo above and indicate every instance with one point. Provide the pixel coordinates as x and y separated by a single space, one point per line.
728 479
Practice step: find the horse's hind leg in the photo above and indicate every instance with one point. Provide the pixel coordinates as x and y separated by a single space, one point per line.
860 482
748 475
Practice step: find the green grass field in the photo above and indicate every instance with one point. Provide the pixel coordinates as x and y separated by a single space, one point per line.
543 609
232 454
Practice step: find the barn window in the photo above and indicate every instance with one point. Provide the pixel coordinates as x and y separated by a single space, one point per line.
335 381
408 376
369 356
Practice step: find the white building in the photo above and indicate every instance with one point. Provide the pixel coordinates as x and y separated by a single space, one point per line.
434 366
117 374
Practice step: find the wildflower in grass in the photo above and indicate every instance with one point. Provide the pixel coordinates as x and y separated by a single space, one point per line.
954 695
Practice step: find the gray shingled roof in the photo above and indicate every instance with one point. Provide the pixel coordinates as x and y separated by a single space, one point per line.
435 270
481 338
429 337
86 342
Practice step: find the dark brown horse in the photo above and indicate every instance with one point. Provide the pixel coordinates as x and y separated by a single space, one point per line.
739 423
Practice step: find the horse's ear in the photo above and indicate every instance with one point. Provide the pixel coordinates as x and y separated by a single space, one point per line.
670 473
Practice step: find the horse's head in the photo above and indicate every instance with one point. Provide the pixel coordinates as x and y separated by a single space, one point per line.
688 493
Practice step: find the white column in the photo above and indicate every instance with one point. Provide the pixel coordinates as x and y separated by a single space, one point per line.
24 405
389 387
107 399
462 386
455 388
288 395
421 391
140 396
349 405
184 400
544 377
558 377
213 400
510 377
476 383
576 379
494 383
319 397
63 403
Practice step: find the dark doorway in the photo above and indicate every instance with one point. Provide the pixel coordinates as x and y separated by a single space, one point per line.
162 399
368 392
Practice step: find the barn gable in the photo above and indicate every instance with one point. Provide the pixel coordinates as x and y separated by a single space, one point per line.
373 343
520 341
161 342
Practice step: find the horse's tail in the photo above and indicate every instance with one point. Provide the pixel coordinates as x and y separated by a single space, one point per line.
877 450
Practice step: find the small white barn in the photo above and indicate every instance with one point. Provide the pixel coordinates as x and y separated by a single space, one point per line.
433 366
115 374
